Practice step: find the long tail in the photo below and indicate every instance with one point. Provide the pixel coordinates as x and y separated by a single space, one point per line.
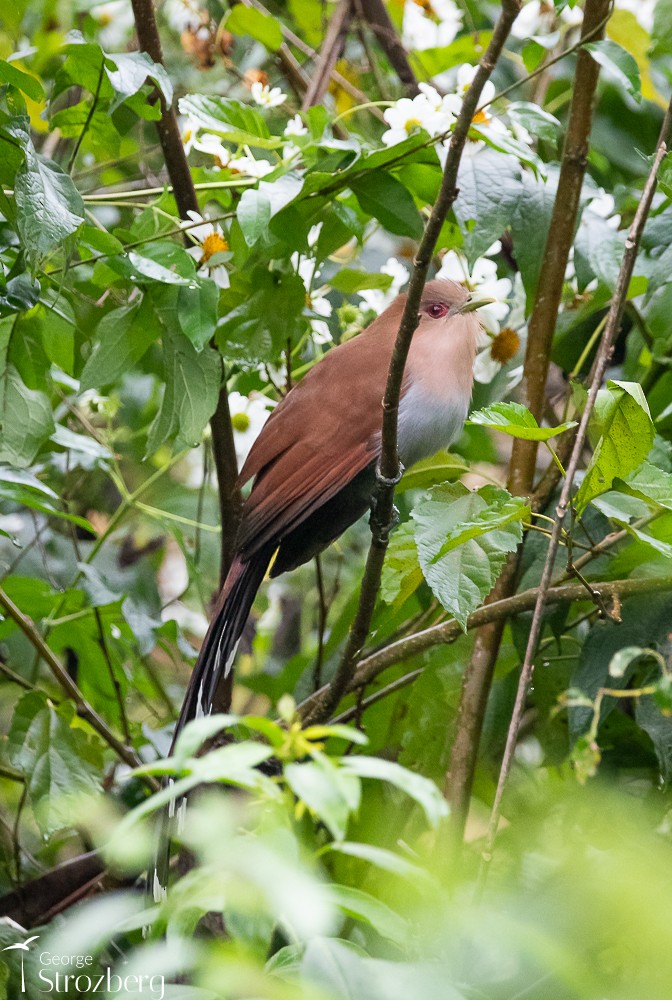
212 673
215 660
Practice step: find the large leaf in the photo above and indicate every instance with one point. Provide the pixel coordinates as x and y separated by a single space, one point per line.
516 420
192 382
49 206
237 122
26 419
650 483
386 199
619 64
20 487
401 572
626 436
530 221
122 337
421 789
262 310
131 72
57 759
257 206
362 906
463 539
329 792
247 21
490 187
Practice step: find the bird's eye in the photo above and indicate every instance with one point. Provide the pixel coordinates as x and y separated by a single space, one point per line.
437 310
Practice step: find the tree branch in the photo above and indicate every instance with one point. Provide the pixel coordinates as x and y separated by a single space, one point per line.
448 632
611 330
187 201
389 470
478 676
374 12
330 52
84 708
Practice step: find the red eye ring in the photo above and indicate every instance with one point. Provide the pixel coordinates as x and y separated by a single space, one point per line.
437 310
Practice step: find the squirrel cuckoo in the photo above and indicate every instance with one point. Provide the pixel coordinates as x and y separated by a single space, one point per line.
314 463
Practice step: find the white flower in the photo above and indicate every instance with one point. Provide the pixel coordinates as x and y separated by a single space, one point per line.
428 110
210 241
603 205
430 25
248 165
500 350
188 133
115 21
295 126
211 144
378 300
321 306
290 152
248 416
482 279
316 301
538 17
183 15
263 95
483 118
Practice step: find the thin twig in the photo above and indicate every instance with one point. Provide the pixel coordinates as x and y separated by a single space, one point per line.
330 52
611 330
84 708
479 673
389 470
376 15
89 117
448 632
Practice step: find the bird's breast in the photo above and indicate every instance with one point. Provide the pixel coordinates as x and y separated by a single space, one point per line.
429 421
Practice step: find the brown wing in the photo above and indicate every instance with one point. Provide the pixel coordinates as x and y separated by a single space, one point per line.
320 436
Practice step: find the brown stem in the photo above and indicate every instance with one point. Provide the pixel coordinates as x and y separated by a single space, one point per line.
187 201
330 53
449 631
389 469
375 13
611 330
84 708
479 673
541 326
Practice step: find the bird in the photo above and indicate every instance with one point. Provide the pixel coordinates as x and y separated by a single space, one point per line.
313 466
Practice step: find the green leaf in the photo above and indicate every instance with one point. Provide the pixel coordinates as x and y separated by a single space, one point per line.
516 420
23 81
439 468
533 55
248 21
58 761
131 72
537 121
401 571
420 789
49 207
20 487
649 483
490 187
386 199
192 383
122 337
261 310
627 434
362 906
388 861
26 419
18 294
463 539
197 311
144 266
661 35
619 64
257 206
237 122
348 280
329 792
530 221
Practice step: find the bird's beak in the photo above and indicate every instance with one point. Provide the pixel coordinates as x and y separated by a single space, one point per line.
471 304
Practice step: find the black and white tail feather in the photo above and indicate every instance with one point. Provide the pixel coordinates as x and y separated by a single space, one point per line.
213 669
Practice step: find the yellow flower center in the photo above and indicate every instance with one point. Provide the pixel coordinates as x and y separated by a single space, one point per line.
212 244
186 136
505 345
412 123
481 118
240 422
426 5
104 19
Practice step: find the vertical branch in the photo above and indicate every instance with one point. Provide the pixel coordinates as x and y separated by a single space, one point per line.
185 197
612 327
375 13
389 470
331 50
479 673
541 326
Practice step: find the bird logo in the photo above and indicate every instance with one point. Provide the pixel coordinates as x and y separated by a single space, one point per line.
22 946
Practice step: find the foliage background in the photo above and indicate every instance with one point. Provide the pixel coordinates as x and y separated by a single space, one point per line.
114 341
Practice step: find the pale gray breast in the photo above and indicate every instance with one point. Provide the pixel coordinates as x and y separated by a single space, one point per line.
428 423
